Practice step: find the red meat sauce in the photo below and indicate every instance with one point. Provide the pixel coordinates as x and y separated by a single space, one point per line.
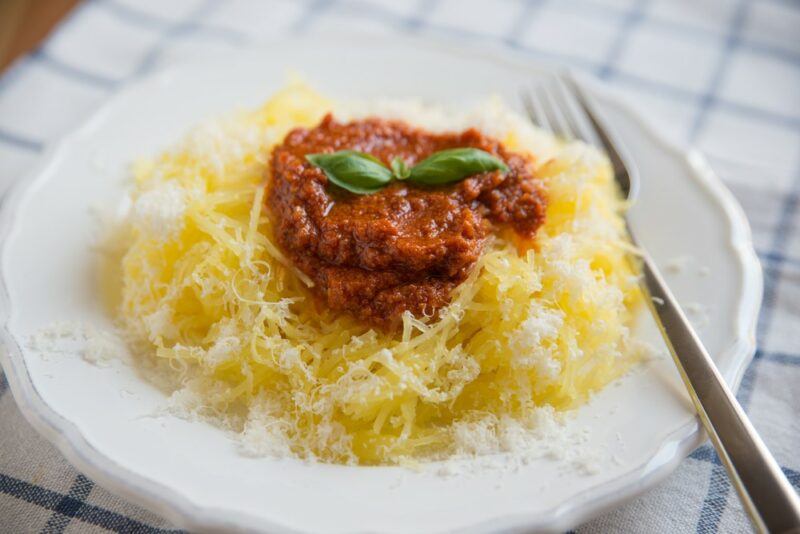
407 246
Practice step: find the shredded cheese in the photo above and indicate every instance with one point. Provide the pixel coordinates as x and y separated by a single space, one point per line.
206 291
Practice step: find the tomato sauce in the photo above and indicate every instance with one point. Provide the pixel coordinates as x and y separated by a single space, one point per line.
407 246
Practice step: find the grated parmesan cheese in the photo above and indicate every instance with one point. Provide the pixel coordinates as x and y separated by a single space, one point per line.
678 264
95 345
102 347
508 444
159 211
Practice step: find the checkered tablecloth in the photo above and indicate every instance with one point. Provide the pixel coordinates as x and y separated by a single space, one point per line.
721 75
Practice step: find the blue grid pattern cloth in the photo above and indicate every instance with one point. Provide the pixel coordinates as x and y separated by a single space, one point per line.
722 75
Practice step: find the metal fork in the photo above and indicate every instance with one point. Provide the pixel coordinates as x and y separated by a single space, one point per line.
561 105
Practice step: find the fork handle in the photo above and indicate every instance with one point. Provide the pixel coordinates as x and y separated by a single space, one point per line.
768 497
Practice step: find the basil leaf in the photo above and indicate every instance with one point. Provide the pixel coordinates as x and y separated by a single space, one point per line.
354 171
400 168
454 164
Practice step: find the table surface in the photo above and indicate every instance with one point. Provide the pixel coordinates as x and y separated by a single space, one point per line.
24 23
719 75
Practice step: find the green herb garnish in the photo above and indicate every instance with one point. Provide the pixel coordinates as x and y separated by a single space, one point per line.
355 171
400 169
453 165
363 174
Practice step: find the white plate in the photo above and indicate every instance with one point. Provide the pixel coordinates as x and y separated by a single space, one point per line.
190 472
